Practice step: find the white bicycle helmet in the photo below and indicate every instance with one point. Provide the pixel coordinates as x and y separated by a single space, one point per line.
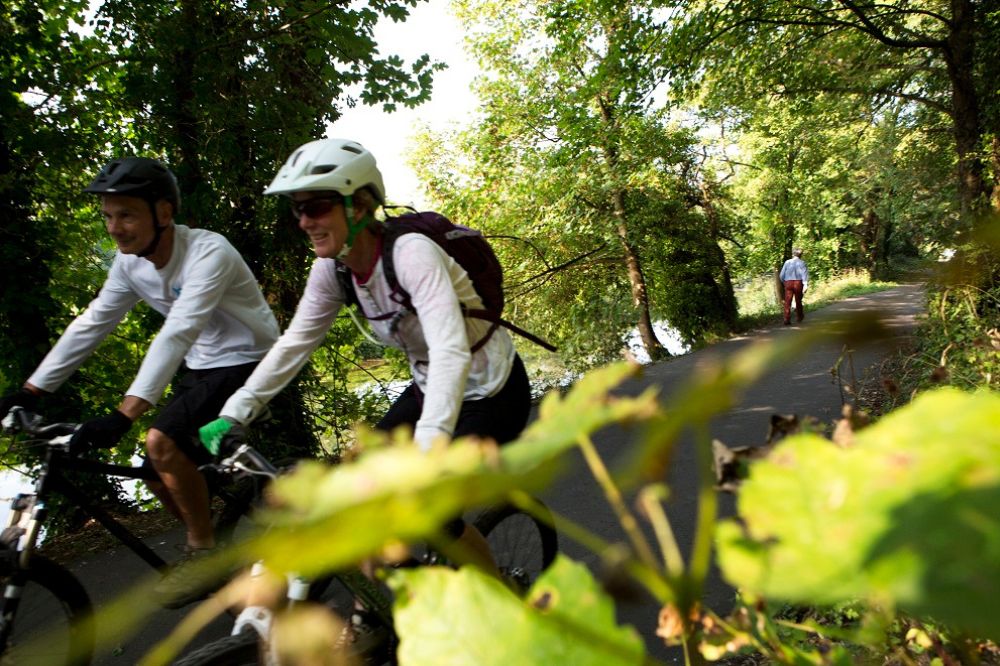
340 165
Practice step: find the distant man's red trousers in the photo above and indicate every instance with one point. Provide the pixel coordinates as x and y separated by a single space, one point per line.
793 289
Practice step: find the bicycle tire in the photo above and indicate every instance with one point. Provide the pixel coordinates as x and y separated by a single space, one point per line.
523 545
49 627
243 649
239 500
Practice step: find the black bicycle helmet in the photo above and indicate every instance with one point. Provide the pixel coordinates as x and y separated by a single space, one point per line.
141 177
138 177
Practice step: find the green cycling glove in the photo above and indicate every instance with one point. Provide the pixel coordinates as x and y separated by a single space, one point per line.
211 434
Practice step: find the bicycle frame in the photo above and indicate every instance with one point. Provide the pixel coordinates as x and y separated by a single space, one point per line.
52 479
259 617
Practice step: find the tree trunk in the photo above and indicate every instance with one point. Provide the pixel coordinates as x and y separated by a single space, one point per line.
995 189
959 58
185 122
640 298
24 270
727 295
874 239
782 236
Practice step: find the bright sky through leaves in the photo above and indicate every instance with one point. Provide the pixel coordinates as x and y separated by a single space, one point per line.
430 29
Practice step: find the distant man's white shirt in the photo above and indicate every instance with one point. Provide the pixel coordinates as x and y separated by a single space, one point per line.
794 269
215 314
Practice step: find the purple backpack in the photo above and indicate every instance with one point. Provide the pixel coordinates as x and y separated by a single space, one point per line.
466 246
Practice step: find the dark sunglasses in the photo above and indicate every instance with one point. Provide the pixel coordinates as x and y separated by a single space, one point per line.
316 207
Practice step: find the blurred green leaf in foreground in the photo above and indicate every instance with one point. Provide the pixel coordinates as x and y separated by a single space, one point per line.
441 617
906 518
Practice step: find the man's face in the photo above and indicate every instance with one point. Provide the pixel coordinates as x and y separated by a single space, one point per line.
129 222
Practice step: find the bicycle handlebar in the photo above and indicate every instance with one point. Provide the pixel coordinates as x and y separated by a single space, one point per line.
20 420
239 458
245 458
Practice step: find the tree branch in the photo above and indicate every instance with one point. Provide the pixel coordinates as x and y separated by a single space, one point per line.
938 106
560 267
873 30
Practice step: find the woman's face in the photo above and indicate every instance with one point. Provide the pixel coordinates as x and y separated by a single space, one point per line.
321 215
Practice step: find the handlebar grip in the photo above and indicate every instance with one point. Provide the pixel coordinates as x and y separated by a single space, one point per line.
21 420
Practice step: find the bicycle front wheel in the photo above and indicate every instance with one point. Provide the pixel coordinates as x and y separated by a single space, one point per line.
373 646
45 616
523 545
243 649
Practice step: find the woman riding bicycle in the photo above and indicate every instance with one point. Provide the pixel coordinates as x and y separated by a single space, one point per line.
335 189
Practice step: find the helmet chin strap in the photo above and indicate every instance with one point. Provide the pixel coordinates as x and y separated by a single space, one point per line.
157 232
354 227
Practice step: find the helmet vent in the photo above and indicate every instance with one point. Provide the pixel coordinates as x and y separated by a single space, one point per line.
352 148
322 168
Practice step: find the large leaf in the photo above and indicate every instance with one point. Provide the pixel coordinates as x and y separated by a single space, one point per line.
465 617
329 517
907 517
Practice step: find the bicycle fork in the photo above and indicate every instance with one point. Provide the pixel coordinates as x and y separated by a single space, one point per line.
17 542
260 618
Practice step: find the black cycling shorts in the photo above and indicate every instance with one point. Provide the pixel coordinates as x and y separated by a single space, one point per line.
501 416
197 399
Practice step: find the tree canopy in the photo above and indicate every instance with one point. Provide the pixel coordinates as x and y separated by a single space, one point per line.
222 105
636 162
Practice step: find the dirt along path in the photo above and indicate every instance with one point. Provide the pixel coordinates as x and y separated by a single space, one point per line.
805 388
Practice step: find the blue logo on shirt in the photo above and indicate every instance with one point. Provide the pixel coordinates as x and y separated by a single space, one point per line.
176 290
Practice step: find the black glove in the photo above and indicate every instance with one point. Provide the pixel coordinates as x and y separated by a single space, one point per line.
20 398
100 433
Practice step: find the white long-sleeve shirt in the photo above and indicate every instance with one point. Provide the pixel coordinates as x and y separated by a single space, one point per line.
794 269
215 314
436 339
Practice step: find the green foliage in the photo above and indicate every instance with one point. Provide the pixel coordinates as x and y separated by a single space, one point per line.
564 618
223 105
591 194
920 53
903 519
960 337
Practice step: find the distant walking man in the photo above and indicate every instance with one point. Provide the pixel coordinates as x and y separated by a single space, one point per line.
794 277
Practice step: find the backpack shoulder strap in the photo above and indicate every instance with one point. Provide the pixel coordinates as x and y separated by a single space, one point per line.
390 234
347 284
411 223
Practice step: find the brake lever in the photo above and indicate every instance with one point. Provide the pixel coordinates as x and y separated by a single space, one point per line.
18 419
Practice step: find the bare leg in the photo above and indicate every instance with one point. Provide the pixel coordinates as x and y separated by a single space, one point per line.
185 487
160 491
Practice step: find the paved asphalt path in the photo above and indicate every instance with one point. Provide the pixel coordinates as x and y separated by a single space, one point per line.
805 388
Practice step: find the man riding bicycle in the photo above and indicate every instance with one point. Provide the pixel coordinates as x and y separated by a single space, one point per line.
335 189
217 324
